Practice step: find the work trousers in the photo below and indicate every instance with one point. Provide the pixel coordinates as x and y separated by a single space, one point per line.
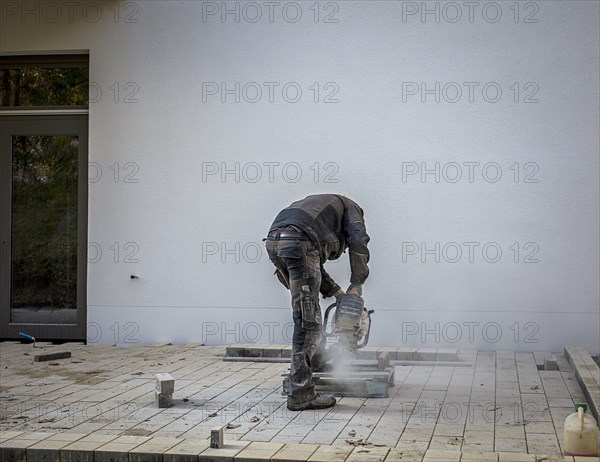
299 269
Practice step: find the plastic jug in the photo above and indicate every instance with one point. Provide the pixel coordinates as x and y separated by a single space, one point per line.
581 433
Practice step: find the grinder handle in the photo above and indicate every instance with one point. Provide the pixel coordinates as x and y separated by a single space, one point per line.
366 337
326 319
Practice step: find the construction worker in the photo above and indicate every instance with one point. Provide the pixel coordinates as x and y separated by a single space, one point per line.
302 237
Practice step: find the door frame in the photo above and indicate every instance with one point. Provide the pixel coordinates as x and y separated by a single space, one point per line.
74 122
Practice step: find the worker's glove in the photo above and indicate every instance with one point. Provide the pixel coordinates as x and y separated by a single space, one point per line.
339 293
355 289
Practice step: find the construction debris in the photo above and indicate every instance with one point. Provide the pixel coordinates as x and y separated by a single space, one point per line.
358 442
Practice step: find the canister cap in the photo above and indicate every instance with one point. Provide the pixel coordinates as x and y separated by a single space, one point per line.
578 405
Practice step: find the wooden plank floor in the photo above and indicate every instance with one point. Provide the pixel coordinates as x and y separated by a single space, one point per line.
501 403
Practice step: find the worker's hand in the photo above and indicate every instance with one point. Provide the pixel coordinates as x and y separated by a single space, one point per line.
339 293
355 289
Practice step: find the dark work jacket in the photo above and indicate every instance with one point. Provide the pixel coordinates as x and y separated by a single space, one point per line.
334 223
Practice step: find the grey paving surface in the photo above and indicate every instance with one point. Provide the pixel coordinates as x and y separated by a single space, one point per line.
501 403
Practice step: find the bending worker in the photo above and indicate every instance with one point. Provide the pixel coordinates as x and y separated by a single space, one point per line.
302 237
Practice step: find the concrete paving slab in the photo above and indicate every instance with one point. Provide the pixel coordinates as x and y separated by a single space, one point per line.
48 450
152 450
15 449
514 457
258 451
118 449
433 455
479 457
368 454
186 450
83 449
7 435
330 453
295 453
403 455
225 454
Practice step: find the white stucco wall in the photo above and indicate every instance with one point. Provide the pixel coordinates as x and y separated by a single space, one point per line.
373 60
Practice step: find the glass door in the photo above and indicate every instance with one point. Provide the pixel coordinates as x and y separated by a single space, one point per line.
43 208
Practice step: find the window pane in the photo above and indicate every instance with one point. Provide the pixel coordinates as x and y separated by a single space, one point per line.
68 86
44 229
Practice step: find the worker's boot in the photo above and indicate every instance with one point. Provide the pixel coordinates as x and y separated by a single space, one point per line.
318 402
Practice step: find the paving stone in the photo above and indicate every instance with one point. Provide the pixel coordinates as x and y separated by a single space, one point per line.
295 453
83 450
118 449
236 351
4 435
273 351
226 454
540 358
514 457
330 454
48 450
550 364
509 432
540 427
542 443
479 457
186 450
152 450
478 437
406 354
51 356
165 383
383 360
258 452
450 429
563 363
255 350
368 353
446 354
510 445
15 449
391 351
368 454
442 455
477 447
163 401
404 455
426 354
216 437
286 352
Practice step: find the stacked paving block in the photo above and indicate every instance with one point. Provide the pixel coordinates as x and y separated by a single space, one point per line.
282 353
164 389
587 373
